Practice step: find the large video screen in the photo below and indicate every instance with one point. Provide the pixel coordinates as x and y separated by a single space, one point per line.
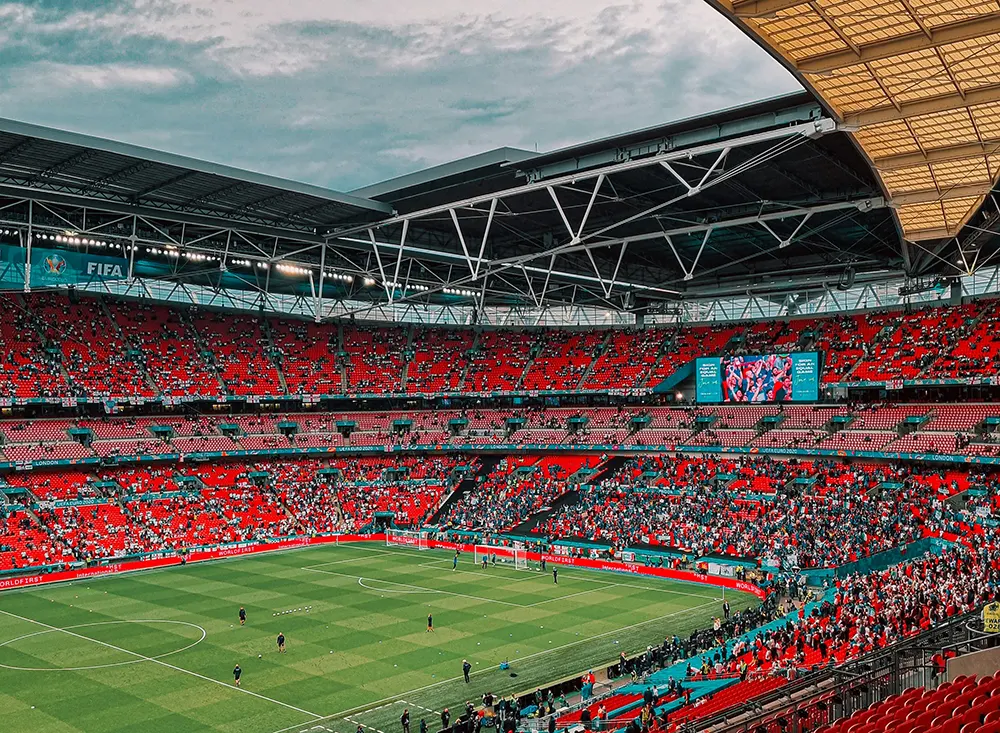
758 379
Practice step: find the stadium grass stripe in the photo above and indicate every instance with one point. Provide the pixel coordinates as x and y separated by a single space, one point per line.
354 651
160 662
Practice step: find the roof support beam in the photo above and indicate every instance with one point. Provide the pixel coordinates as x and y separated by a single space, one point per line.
918 41
77 158
122 174
938 155
762 8
944 103
811 129
139 195
932 195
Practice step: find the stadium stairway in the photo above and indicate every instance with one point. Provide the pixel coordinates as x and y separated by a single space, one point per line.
526 527
607 469
604 470
486 466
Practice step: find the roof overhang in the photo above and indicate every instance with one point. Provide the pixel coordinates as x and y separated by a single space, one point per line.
918 82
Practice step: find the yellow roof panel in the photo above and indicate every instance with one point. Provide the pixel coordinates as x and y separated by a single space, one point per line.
803 33
942 129
934 13
914 178
973 63
987 119
918 79
853 89
957 211
921 217
864 22
964 172
993 163
914 76
888 138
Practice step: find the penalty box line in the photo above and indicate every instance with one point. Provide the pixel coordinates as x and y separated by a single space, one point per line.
315 717
579 574
436 591
373 705
604 583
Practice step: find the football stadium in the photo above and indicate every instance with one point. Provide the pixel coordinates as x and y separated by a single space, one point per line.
694 428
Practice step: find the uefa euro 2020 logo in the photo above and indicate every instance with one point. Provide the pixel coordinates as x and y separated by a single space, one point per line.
54 265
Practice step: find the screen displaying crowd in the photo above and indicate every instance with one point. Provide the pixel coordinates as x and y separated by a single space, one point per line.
757 378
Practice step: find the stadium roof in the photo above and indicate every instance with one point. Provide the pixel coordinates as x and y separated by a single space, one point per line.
772 198
40 159
919 81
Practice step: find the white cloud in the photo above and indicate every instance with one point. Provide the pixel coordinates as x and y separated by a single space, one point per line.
346 93
103 77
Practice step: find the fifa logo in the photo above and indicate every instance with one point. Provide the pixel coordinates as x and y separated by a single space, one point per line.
54 264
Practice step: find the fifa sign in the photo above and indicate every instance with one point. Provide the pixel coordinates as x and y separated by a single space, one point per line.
54 268
105 270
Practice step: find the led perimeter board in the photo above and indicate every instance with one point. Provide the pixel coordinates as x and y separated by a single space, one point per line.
758 379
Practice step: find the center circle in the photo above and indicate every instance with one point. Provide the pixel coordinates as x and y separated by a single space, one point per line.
137 660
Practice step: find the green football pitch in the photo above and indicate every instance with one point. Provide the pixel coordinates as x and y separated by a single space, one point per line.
154 651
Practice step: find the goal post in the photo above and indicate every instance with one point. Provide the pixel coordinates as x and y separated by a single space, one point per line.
406 538
511 557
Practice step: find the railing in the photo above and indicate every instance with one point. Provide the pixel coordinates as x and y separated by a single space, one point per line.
831 694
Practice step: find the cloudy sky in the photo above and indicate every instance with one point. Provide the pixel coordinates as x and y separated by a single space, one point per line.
344 93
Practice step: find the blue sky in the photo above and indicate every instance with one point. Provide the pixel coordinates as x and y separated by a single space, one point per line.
346 93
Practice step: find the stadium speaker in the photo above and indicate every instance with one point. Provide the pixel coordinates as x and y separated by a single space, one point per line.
846 281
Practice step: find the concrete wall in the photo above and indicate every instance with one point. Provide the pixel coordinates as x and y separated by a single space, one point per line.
982 663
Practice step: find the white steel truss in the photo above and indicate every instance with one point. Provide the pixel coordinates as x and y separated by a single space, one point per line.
346 272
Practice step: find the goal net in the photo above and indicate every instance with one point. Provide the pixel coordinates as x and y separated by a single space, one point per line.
406 538
510 557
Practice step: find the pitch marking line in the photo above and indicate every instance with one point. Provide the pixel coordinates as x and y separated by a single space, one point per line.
370 706
418 707
571 595
434 565
359 723
575 576
408 589
374 553
314 716
416 589
412 588
103 666
404 703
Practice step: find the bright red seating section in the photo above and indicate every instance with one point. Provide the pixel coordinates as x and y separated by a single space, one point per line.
499 360
965 705
109 349
26 370
624 361
843 339
562 360
439 356
727 698
173 358
24 544
237 344
375 359
94 355
309 356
